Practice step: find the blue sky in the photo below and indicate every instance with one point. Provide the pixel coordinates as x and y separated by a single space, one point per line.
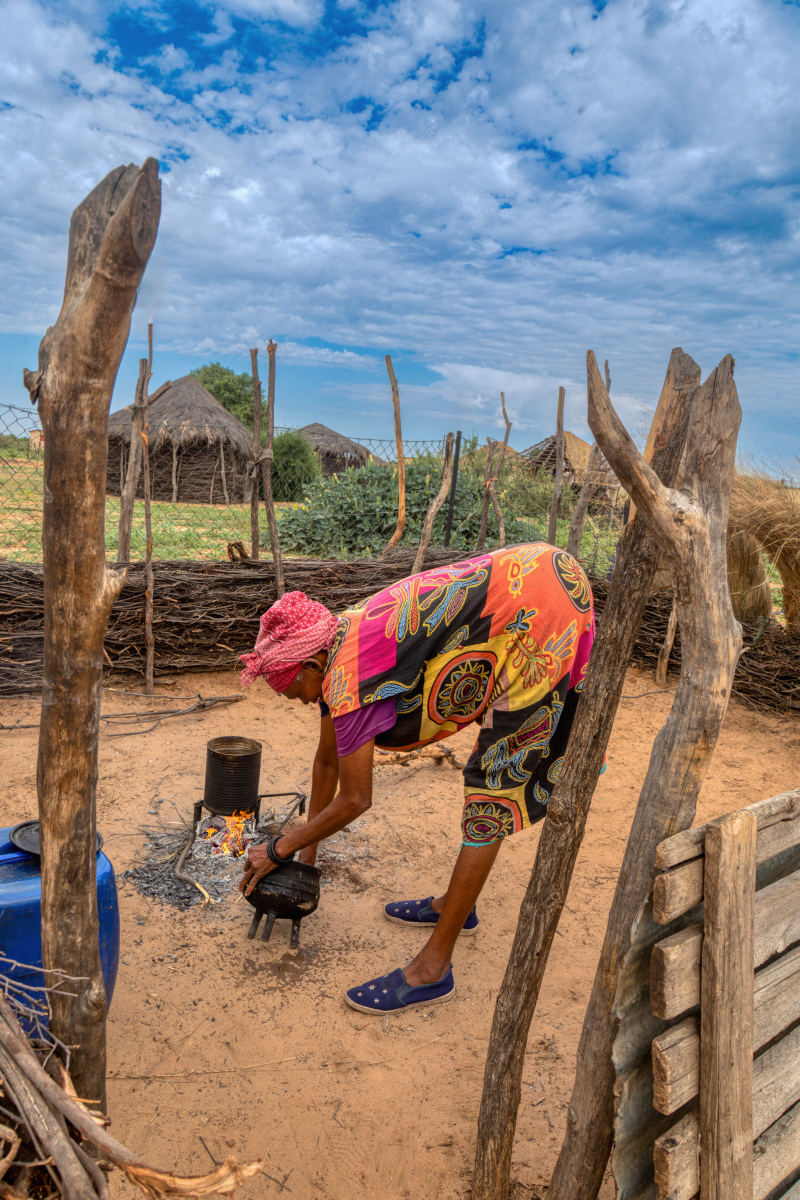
485 190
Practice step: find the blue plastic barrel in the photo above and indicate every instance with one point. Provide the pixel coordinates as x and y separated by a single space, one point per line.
20 914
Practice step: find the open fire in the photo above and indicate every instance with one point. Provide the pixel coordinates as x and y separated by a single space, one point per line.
231 835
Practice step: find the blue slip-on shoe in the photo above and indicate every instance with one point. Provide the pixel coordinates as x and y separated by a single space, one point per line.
391 993
419 912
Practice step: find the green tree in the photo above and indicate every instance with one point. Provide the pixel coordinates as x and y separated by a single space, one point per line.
234 392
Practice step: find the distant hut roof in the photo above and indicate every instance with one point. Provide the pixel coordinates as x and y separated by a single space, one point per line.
328 442
543 454
185 415
542 457
577 450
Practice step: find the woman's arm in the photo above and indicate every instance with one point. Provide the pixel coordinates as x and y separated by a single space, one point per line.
353 799
324 778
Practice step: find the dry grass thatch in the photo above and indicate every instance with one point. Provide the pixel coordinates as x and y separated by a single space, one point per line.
770 513
332 445
751 595
185 415
542 456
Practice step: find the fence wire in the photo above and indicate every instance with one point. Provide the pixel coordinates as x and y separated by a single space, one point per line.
335 496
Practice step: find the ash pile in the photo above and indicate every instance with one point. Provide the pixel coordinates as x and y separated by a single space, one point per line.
216 858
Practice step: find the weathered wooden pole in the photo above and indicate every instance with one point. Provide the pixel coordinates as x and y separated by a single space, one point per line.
222 473
149 641
726 1009
266 469
568 808
690 526
401 463
558 481
434 506
588 489
127 497
666 647
452 500
491 446
111 235
255 533
498 512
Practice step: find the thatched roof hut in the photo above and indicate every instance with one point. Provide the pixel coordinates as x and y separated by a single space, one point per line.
198 450
336 452
542 457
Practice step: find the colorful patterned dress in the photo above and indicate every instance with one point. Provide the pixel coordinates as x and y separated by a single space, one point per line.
501 639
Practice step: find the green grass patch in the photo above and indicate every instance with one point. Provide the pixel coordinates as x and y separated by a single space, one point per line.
348 522
191 531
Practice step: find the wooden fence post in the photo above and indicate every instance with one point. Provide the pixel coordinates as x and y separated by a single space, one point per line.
434 506
111 235
691 525
149 640
127 494
451 502
666 647
498 512
726 1010
568 809
491 446
255 533
588 488
558 482
401 463
266 473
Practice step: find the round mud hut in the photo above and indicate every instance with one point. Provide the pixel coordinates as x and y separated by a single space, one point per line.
198 450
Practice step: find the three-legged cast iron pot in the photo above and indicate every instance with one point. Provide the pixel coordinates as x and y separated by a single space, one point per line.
291 891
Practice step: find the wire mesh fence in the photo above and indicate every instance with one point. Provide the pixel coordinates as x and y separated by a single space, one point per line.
335 496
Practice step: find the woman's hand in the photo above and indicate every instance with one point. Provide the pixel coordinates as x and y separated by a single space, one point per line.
257 864
353 799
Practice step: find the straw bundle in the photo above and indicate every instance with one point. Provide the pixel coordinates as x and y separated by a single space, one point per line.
751 595
770 512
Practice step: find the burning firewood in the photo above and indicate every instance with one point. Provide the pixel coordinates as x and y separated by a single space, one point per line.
51 1121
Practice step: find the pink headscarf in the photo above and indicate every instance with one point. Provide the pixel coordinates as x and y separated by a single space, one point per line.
293 629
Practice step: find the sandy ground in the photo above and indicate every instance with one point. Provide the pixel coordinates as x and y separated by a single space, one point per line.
218 1045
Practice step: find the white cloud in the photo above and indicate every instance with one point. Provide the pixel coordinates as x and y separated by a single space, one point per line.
373 193
321 356
223 29
291 12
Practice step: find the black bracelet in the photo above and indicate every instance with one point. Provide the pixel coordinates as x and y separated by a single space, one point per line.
273 854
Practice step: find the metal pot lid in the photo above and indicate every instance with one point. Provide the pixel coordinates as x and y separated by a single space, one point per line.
26 837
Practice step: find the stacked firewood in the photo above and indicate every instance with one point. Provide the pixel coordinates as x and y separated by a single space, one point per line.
767 675
206 615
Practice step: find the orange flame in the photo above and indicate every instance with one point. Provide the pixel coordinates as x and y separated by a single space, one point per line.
233 843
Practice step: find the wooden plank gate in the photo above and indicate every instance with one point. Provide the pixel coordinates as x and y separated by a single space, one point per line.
708 1050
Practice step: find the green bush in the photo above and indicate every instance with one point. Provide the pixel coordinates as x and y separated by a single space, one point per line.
531 495
355 512
295 466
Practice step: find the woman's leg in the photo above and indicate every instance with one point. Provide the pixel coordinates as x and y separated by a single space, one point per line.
469 875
